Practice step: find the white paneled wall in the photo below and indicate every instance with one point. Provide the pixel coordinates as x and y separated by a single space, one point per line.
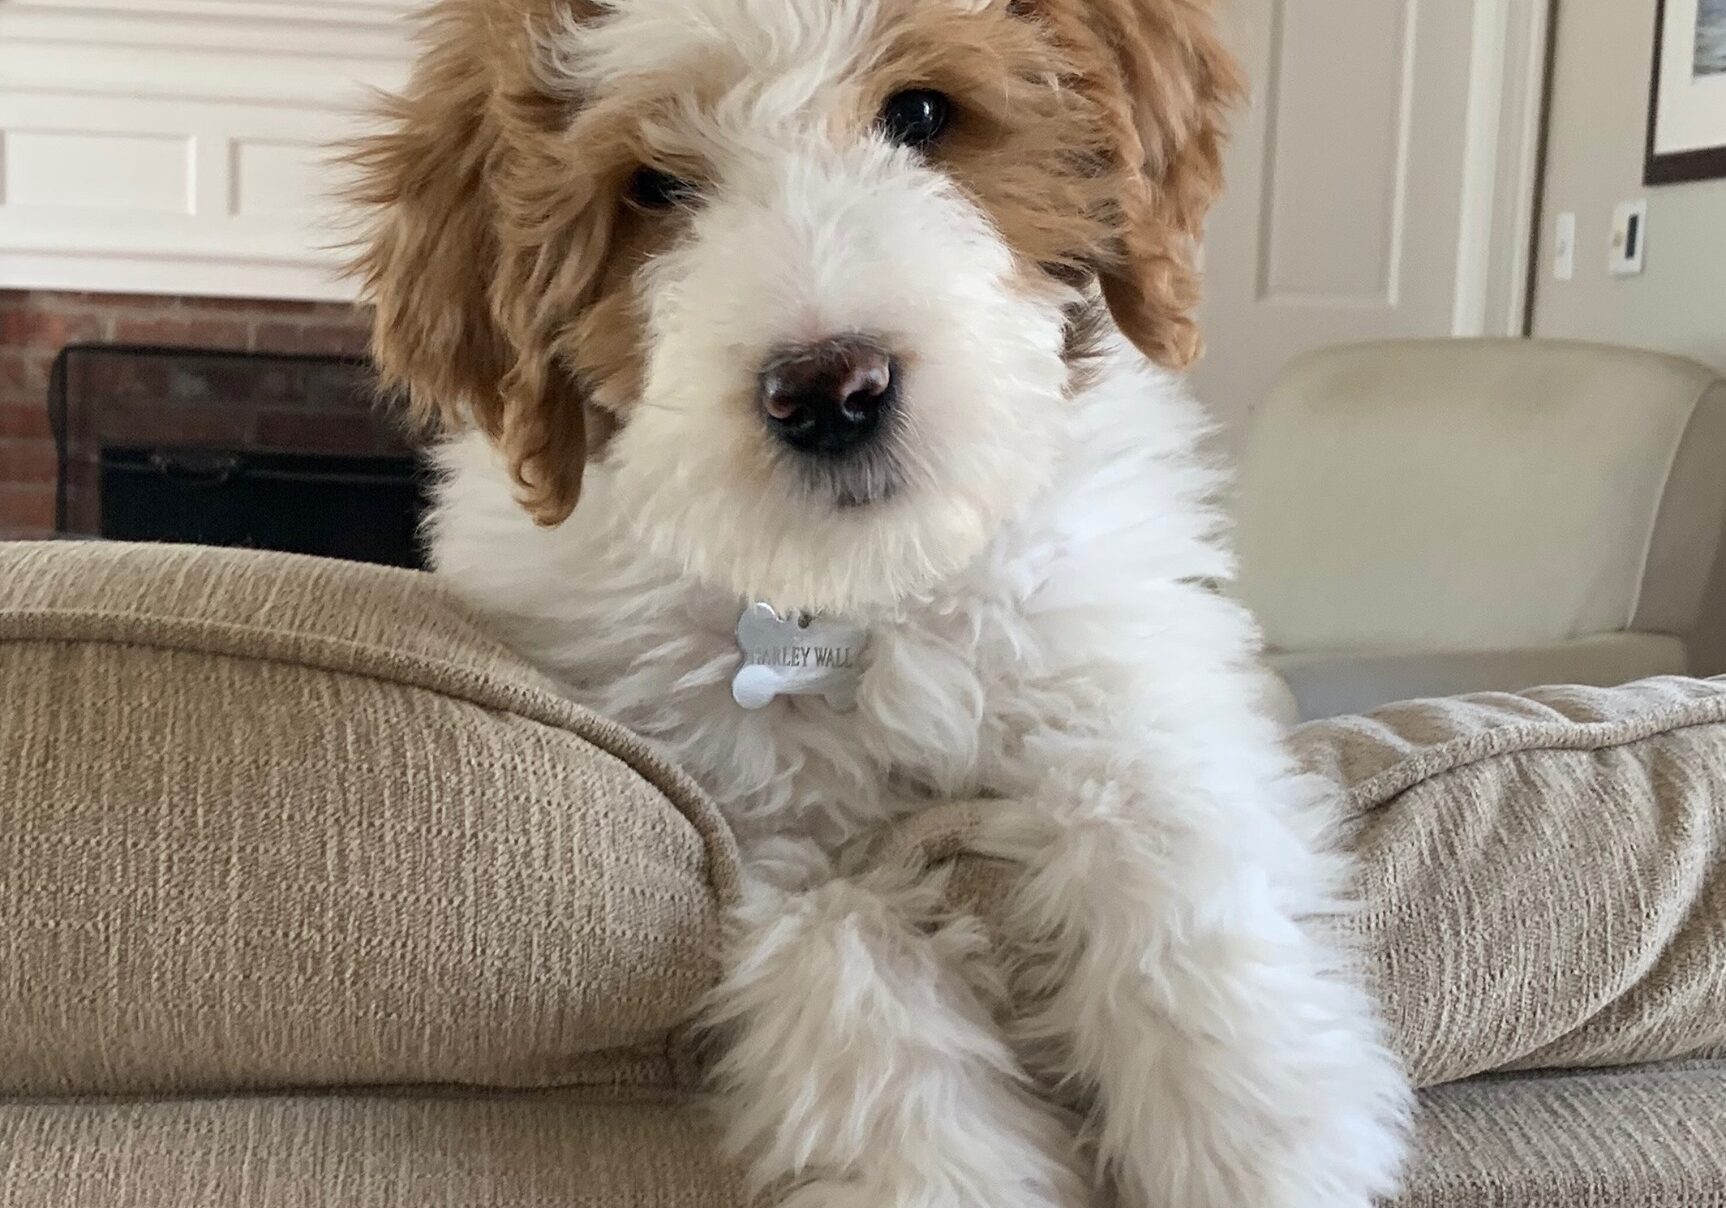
182 146
1380 185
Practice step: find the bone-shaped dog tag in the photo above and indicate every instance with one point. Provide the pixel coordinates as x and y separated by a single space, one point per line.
796 655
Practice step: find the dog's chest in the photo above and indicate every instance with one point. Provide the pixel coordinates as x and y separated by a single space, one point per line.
942 699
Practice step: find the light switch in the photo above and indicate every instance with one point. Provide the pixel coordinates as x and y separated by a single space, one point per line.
1629 238
1564 247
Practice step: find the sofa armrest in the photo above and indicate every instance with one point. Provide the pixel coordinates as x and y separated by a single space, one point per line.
1541 877
276 821
1331 683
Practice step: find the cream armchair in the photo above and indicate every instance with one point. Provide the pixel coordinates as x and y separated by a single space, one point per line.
1423 518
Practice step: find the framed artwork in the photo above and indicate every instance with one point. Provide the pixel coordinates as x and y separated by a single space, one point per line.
1687 99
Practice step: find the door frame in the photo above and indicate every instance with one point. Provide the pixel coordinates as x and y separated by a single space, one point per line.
1504 165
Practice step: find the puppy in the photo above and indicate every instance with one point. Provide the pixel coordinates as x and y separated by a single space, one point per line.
868 311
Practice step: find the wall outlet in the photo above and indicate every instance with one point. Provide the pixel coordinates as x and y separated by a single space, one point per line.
1629 238
1564 247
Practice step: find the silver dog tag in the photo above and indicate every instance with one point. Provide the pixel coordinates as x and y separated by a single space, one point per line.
796 655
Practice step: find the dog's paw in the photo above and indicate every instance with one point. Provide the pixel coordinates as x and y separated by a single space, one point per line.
1313 1134
849 1193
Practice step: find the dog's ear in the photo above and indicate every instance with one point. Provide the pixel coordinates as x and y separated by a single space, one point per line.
1164 84
463 325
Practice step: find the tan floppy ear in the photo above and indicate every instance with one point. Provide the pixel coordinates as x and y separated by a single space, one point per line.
1165 95
451 330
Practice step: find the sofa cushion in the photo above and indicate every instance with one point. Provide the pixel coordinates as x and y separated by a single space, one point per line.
1649 1137
275 821
1330 683
1542 876
1544 873
556 1149
1644 1138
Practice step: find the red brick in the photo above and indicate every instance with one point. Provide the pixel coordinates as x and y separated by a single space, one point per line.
178 331
24 327
309 432
27 461
96 303
23 375
23 420
25 509
359 314
251 306
330 339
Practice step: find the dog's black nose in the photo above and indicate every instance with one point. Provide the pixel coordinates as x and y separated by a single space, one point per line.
830 397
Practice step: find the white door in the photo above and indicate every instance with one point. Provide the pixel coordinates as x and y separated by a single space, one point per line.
1377 187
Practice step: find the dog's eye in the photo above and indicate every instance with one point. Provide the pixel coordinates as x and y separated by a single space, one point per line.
914 118
652 189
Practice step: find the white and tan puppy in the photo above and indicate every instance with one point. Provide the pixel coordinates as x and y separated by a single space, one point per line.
820 304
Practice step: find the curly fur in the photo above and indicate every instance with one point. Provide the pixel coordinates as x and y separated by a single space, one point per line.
1036 570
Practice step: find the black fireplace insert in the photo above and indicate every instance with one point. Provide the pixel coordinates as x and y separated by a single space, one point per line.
273 451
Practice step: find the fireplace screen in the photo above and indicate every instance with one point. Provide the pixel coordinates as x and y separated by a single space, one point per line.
273 451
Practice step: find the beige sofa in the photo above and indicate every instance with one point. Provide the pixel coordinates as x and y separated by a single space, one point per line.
311 894
1428 517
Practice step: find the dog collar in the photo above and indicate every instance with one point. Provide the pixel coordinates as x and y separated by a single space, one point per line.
799 654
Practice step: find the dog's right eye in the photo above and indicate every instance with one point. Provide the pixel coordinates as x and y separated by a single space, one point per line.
652 189
915 118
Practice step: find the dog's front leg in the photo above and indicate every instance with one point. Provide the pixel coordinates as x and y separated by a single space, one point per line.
1230 1059
859 1067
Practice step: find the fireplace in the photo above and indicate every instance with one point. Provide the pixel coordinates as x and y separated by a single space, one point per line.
284 451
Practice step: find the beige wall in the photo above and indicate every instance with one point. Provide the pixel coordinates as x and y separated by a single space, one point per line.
1599 125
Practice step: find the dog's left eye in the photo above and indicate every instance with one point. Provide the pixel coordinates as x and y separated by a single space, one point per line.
915 118
652 189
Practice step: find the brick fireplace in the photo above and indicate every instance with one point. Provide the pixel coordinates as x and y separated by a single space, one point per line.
35 325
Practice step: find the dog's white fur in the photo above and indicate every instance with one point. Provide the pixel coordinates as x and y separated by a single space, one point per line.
1044 634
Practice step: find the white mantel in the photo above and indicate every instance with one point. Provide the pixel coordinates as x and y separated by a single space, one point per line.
179 146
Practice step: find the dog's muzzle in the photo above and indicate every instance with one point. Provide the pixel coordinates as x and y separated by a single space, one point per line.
829 399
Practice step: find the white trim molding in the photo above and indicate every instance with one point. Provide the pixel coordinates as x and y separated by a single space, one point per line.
1502 165
184 146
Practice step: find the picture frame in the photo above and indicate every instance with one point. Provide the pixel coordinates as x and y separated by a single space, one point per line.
1687 93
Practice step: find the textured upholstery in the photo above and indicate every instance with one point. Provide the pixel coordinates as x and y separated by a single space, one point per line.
272 821
1652 1137
1463 496
307 887
1542 876
1330 683
343 1150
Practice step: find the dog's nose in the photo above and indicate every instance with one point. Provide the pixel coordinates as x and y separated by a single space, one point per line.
829 397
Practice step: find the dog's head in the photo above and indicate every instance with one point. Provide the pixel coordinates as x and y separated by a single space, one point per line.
813 277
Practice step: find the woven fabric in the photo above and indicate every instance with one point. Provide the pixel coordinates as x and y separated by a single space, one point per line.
1643 1138
1542 876
524 1151
271 821
1647 1138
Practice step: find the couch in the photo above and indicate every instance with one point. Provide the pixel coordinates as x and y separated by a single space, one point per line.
1431 517
311 893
